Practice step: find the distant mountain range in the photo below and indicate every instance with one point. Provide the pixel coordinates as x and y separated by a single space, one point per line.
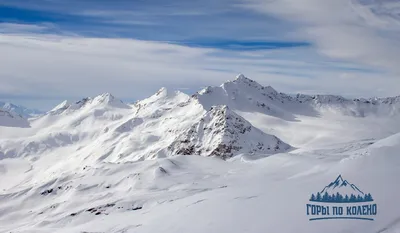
20 110
10 119
101 165
238 117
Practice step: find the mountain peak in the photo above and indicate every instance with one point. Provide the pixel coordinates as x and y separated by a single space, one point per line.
20 110
243 78
103 100
60 107
222 132
107 95
162 92
107 98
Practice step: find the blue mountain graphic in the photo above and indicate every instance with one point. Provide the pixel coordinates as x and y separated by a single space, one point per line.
340 183
341 191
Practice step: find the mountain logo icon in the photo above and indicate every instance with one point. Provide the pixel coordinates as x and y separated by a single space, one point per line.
341 191
341 199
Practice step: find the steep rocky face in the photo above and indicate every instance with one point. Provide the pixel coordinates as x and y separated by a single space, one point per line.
223 133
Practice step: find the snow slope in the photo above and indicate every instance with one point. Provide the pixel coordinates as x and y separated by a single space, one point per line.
100 165
189 193
303 120
10 119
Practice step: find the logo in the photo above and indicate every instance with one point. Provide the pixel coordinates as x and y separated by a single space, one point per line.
341 200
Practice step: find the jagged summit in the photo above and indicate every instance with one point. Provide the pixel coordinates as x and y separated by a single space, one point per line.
61 107
109 100
246 95
162 91
105 97
240 83
223 133
242 78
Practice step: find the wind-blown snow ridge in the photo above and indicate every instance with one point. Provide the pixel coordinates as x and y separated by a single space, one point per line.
61 107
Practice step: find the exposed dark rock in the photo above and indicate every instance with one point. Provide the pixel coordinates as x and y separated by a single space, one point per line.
223 133
46 192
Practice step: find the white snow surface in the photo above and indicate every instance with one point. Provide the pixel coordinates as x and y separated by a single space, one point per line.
100 165
11 119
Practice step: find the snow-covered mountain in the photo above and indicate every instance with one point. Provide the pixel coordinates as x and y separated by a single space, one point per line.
11 119
20 110
101 165
162 124
221 132
154 127
105 100
244 94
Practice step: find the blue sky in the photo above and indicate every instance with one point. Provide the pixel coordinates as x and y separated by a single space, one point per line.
71 49
196 23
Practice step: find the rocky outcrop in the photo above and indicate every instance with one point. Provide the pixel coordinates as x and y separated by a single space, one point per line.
223 133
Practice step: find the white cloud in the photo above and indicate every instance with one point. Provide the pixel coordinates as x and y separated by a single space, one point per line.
49 67
17 27
364 31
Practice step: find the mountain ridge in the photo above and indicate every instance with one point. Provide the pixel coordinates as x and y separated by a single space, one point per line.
221 132
20 110
170 158
161 119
